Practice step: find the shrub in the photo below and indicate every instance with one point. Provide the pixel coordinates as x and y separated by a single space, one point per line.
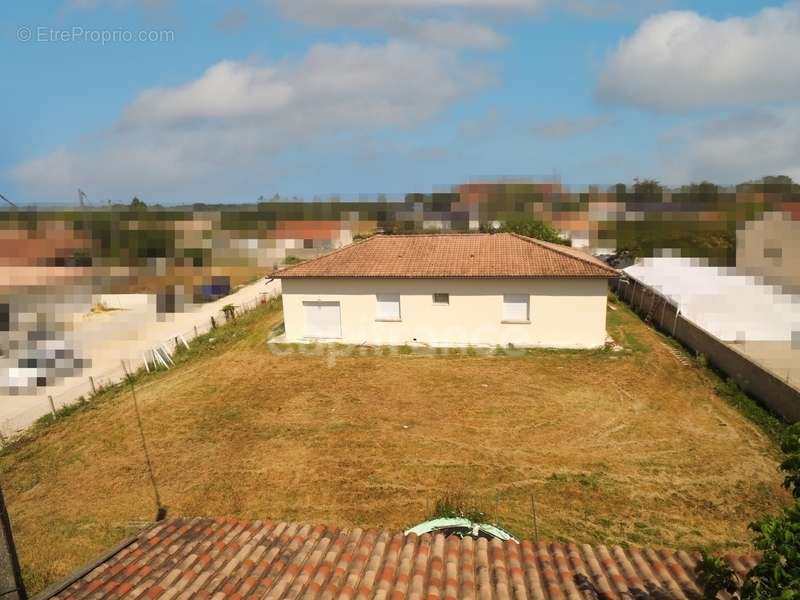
457 505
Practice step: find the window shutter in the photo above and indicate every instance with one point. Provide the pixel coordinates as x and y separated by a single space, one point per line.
515 307
388 307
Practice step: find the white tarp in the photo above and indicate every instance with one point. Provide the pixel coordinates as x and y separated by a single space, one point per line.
731 307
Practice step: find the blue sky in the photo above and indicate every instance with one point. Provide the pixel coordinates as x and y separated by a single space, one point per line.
319 97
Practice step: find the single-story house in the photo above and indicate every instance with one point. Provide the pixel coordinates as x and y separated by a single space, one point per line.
483 289
228 558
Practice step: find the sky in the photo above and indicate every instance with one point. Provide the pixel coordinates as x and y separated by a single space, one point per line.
179 101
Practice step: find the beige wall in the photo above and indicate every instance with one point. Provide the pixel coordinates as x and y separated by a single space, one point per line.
564 313
770 248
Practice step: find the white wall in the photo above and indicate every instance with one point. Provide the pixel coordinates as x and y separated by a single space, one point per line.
564 313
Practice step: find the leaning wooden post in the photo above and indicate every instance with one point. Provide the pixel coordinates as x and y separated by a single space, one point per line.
91 382
52 406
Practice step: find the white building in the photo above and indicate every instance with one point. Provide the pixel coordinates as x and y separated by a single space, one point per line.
448 290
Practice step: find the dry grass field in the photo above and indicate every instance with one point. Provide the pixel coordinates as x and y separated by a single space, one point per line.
630 447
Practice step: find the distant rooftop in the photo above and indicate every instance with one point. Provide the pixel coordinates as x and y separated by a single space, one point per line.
226 558
458 255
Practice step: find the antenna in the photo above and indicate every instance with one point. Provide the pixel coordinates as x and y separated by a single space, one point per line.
8 201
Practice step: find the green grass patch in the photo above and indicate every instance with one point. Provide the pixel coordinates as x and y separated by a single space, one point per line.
729 391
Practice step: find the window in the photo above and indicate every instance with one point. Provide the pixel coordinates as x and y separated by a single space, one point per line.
388 307
441 298
515 308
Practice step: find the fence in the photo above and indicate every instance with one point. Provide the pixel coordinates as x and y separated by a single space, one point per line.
777 394
92 382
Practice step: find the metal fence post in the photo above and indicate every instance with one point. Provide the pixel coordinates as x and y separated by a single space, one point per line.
52 406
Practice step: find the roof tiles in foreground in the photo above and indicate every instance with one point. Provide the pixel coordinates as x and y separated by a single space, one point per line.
485 255
226 558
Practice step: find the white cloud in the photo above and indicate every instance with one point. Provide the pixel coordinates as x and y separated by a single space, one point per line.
229 89
236 116
743 146
444 23
565 128
378 12
680 61
149 5
456 34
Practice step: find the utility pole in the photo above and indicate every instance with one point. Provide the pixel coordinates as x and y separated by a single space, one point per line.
11 586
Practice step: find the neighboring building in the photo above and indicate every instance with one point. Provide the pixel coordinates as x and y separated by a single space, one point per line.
449 290
770 248
226 558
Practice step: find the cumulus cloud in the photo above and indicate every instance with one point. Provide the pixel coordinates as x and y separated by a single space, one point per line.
238 114
566 128
742 146
680 61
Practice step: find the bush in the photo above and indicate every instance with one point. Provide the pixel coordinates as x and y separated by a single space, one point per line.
457 505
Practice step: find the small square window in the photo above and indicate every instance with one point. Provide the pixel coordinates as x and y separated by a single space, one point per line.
515 308
388 308
441 298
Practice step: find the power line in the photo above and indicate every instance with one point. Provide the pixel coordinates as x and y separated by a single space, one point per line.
9 201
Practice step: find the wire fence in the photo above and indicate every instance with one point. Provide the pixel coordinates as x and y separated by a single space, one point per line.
91 383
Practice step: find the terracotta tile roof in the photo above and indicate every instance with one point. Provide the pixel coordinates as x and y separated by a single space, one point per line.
451 255
226 558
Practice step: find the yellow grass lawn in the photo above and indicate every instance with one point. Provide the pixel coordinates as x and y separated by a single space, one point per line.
630 447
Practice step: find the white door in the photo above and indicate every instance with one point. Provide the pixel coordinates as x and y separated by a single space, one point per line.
323 319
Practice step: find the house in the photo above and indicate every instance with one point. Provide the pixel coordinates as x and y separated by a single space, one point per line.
227 558
449 290
769 248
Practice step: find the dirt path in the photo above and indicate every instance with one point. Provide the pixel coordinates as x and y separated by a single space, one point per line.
109 337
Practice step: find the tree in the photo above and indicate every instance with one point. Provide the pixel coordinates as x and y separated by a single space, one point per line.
528 226
647 190
705 191
137 204
777 574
